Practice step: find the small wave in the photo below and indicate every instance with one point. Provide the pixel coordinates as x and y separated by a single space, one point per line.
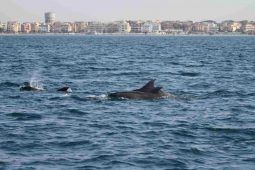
73 143
193 150
249 160
162 162
156 124
184 133
101 157
189 74
8 84
89 167
3 163
25 116
78 98
77 111
60 97
224 93
119 163
228 130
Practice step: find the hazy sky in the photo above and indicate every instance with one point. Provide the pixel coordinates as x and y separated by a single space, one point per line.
111 10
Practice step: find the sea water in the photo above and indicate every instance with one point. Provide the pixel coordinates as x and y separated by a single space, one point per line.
210 124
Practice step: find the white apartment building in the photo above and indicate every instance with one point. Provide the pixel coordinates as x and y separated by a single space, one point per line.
248 28
151 27
124 27
13 27
44 28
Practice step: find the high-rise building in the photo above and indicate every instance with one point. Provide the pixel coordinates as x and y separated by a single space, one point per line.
50 17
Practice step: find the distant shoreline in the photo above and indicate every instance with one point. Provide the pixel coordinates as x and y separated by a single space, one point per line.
120 34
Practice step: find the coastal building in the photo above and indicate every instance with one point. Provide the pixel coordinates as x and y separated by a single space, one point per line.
95 27
112 27
66 27
234 27
135 26
13 27
176 27
167 25
26 27
225 26
124 27
187 26
205 27
3 27
56 27
50 17
44 28
35 27
151 27
80 27
249 28
210 27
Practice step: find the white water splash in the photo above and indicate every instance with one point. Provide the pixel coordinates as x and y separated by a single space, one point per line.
35 81
98 97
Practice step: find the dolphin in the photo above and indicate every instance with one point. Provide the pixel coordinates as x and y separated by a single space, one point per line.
148 91
65 89
28 87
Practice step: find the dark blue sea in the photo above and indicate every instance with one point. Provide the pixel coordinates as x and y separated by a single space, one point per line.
209 124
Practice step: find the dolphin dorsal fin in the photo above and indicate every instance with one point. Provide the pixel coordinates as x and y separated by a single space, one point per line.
147 87
156 90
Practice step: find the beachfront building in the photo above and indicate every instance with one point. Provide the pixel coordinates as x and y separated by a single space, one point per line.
3 27
249 28
50 17
176 27
66 27
13 27
210 27
205 27
79 27
198 27
56 27
112 27
124 27
135 26
234 27
26 27
167 26
225 26
35 27
95 27
44 28
151 27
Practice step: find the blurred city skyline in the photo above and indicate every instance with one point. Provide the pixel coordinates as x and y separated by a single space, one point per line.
112 10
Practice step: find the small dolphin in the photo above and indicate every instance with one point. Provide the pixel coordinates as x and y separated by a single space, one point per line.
148 91
65 89
27 87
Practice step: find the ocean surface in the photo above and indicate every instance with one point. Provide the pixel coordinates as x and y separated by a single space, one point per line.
209 124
